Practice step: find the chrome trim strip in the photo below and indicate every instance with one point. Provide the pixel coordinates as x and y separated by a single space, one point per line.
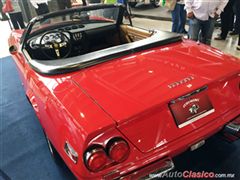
196 118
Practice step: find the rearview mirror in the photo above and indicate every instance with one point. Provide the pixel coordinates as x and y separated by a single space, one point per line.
13 49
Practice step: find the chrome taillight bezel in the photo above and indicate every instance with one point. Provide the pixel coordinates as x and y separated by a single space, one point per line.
106 149
112 144
90 152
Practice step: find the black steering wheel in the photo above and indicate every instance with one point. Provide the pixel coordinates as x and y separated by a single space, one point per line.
55 45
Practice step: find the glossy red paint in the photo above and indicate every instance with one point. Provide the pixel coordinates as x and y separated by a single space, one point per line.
129 97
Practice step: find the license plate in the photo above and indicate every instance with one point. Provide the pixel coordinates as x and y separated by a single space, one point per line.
191 108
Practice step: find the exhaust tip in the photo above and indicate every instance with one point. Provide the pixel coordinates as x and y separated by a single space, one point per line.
231 131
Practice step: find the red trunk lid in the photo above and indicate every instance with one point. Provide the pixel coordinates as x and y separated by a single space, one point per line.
136 90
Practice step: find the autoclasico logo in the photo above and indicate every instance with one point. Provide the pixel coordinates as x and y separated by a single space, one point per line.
192 174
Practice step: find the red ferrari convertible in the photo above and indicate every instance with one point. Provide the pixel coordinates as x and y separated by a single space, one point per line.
116 101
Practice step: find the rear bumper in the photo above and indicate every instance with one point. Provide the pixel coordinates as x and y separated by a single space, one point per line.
180 145
153 170
156 160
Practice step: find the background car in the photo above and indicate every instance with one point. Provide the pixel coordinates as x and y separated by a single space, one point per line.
133 3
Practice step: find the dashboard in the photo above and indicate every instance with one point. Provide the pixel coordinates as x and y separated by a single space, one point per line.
79 37
74 32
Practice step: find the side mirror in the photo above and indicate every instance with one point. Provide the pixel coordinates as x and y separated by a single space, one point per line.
13 49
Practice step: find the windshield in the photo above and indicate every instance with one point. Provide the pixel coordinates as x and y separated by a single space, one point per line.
95 17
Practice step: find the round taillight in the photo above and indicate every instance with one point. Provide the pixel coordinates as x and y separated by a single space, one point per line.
95 159
118 150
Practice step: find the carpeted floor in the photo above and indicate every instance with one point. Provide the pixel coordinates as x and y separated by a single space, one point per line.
24 154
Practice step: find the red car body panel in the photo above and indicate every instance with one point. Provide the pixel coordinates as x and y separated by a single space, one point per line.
136 92
129 97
